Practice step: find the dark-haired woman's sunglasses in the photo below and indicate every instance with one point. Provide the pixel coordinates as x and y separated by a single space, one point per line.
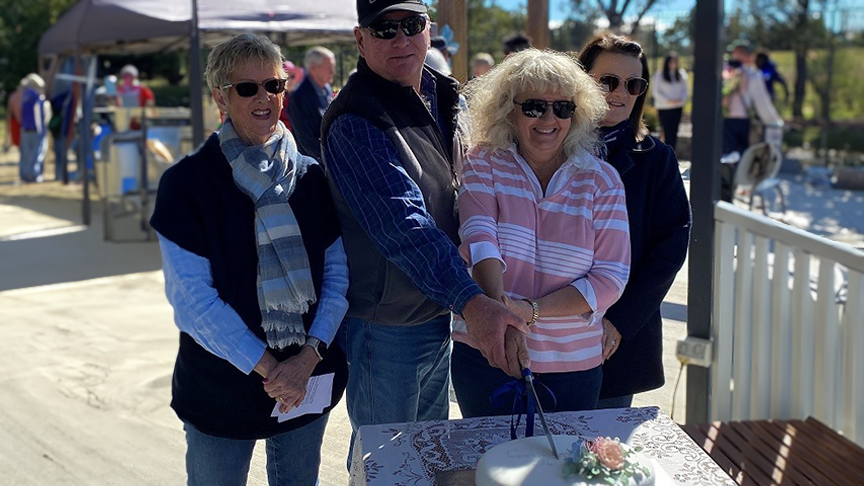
250 88
387 29
634 86
562 109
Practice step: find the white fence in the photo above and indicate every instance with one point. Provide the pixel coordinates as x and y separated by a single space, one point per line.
789 324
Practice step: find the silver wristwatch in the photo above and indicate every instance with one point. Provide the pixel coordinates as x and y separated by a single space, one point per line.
317 345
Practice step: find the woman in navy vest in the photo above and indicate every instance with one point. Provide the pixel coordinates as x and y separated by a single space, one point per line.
255 270
659 221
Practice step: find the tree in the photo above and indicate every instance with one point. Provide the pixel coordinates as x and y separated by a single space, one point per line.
21 27
615 10
488 24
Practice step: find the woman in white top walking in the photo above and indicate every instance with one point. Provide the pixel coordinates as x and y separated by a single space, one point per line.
670 96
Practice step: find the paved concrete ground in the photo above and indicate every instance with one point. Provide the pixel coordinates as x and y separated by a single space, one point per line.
87 345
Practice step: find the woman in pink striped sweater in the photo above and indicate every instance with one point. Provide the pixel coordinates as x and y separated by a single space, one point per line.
543 226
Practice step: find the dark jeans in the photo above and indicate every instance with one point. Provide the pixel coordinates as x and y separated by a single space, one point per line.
615 402
736 138
474 381
670 120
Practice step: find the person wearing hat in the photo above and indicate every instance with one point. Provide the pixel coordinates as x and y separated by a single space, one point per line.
133 94
388 147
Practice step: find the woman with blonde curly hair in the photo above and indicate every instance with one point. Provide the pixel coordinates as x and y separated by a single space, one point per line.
543 226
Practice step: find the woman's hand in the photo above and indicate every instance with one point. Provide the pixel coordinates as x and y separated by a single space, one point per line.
287 381
611 339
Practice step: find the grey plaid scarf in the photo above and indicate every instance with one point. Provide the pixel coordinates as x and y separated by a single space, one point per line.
268 174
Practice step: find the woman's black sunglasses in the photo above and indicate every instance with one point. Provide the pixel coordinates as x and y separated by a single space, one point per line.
387 29
562 109
250 88
635 86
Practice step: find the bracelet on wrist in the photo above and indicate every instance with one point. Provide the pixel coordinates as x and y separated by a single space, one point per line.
535 311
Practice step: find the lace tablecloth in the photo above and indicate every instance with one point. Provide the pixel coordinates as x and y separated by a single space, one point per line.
415 453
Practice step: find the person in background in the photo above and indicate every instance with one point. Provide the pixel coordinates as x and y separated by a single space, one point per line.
481 64
516 42
770 73
670 91
13 117
659 221
389 141
311 99
543 228
743 92
436 60
293 76
256 273
35 113
131 93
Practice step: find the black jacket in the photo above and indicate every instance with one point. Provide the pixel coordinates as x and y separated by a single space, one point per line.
200 208
659 214
379 291
304 112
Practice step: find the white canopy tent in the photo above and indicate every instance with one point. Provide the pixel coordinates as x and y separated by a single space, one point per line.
140 26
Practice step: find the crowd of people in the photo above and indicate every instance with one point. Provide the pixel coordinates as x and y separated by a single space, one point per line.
528 217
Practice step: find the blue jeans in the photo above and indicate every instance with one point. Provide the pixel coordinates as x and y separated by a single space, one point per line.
396 373
616 402
474 381
293 458
34 145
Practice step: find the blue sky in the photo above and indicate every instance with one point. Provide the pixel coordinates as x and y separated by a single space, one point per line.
558 9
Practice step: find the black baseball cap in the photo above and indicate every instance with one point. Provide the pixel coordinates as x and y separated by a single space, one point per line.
369 10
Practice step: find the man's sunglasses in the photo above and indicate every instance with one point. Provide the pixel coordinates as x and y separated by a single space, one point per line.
387 29
634 86
562 109
250 88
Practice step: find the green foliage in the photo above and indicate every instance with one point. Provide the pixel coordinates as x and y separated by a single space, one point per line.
172 66
488 24
21 26
572 35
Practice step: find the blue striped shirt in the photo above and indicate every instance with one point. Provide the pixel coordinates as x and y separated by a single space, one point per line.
367 170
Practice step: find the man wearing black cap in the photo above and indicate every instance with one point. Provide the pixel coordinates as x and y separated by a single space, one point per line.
388 145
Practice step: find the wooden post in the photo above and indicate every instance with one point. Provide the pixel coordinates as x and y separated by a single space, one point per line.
455 14
538 24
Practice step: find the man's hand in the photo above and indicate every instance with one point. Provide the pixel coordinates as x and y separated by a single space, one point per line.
611 339
287 381
520 307
487 320
516 350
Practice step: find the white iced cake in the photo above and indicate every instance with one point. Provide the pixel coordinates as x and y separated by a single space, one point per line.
530 462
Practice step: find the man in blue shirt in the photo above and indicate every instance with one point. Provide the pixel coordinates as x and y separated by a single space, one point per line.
390 142
311 99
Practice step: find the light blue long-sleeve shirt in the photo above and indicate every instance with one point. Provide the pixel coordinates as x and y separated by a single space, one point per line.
200 313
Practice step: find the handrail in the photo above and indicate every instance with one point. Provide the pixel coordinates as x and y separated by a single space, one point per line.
842 253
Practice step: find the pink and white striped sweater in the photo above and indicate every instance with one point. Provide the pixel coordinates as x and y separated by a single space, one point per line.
576 234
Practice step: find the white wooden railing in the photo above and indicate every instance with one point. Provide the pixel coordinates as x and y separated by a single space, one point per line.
789 324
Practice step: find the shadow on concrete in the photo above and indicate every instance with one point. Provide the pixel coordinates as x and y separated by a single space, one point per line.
70 257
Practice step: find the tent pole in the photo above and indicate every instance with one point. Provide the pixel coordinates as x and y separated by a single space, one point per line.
196 93
85 148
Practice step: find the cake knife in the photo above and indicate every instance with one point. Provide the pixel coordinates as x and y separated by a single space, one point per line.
529 381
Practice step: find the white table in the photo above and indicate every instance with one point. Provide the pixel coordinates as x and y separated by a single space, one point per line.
416 454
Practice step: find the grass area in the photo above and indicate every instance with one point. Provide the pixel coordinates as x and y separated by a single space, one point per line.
847 93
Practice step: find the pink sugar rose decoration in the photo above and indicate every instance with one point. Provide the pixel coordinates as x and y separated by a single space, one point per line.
608 452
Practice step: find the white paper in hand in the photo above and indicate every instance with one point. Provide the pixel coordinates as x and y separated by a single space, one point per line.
319 391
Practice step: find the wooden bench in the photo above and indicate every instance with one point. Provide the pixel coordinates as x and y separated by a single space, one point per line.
781 452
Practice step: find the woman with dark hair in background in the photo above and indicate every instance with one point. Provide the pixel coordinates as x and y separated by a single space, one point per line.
669 87
659 221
